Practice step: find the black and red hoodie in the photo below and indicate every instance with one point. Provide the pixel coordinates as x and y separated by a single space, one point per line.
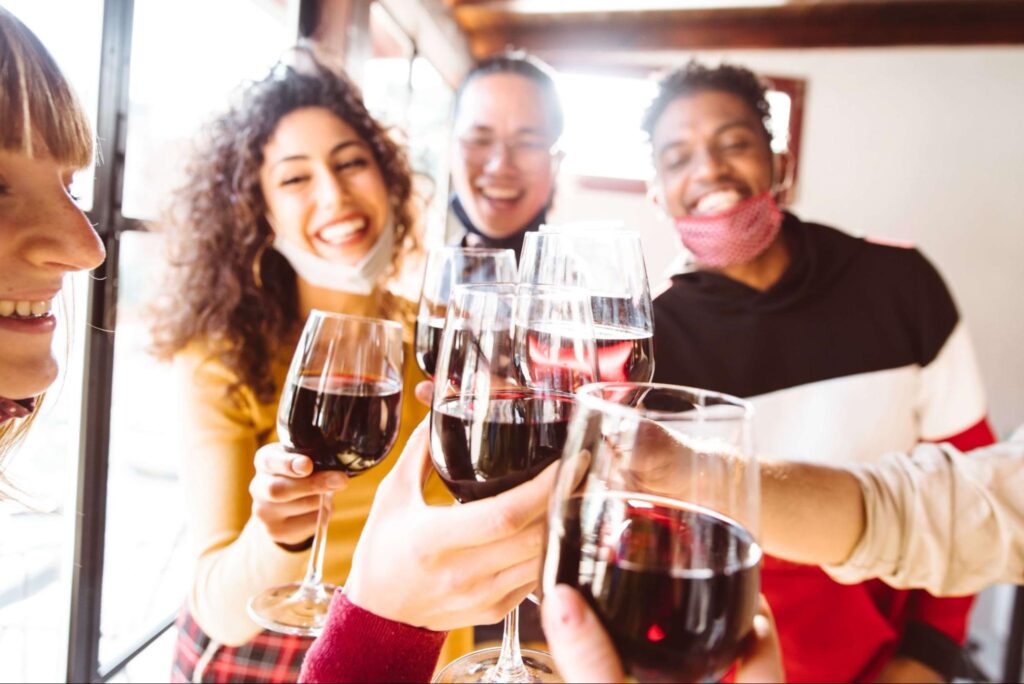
856 351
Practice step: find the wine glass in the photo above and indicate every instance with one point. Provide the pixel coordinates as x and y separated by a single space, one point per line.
446 268
609 263
655 521
341 407
511 358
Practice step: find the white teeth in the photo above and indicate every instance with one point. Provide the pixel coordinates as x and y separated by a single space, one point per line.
499 193
339 232
717 201
24 308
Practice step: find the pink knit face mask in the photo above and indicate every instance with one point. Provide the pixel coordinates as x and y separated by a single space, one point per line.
735 236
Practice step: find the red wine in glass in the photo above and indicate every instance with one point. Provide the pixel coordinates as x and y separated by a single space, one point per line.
488 447
676 586
428 343
342 422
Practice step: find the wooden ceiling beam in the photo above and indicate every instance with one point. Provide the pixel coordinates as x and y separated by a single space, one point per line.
869 24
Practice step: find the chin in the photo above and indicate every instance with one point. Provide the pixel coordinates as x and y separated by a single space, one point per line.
26 376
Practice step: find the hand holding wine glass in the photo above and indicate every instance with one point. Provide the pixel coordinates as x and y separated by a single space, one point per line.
584 652
655 521
286 493
511 357
340 409
483 565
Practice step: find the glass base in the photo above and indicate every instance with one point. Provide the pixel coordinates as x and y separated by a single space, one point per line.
292 608
479 666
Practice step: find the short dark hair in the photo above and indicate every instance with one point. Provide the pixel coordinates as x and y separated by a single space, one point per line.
695 77
526 65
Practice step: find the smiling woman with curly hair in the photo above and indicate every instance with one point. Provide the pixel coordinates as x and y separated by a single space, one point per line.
296 199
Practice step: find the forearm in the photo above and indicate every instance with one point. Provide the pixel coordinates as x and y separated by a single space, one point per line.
226 577
811 513
359 646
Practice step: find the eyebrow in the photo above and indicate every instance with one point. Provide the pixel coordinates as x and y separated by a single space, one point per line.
734 123
524 130
334 150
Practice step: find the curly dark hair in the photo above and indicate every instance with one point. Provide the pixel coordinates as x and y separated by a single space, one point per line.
695 77
219 229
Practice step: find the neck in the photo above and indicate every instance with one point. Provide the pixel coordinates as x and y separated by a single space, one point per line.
314 297
765 270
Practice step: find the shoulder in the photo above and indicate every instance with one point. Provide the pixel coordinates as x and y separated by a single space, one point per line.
878 257
205 379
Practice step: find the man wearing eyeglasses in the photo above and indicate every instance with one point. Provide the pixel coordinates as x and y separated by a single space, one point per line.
508 120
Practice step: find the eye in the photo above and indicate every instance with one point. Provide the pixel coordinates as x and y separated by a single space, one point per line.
736 146
357 163
294 180
677 161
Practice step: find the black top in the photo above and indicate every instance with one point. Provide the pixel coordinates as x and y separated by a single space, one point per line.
844 306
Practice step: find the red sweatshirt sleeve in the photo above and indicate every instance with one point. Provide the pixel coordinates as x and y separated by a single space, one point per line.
949 615
358 646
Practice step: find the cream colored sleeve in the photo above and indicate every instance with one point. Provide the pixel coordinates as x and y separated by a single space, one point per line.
235 558
941 520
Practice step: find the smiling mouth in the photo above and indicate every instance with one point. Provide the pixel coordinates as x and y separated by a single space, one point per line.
717 201
500 194
25 309
343 233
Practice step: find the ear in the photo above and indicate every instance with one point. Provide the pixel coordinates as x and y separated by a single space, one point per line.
783 168
556 161
656 197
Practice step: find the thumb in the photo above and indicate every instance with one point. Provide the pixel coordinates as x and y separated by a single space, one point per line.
763 660
580 646
425 392
414 464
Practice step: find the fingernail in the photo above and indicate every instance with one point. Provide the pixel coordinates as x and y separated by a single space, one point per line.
569 612
335 480
298 464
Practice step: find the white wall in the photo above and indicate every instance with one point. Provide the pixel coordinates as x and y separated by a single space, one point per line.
917 144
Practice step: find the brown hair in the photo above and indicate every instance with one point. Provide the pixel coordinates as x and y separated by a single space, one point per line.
41 114
41 117
220 233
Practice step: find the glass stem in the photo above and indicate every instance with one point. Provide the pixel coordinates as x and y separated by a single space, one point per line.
510 666
315 569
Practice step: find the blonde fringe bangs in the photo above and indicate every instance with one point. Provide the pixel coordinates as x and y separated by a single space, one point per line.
40 115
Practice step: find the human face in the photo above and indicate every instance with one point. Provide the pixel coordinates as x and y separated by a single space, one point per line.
710 152
43 236
503 167
324 190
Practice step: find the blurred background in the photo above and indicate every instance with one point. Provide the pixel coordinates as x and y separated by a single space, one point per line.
904 118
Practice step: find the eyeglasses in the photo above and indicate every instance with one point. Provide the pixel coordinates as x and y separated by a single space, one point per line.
528 153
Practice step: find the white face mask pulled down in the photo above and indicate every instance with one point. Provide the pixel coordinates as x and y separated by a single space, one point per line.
359 278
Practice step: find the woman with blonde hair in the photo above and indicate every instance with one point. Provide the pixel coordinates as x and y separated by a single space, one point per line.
45 138
297 199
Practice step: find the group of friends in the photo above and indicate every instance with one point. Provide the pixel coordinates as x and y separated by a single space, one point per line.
867 395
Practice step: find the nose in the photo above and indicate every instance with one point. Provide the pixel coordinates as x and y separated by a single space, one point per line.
65 240
332 190
500 157
708 164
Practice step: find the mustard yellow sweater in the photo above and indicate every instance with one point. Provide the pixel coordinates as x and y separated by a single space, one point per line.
235 558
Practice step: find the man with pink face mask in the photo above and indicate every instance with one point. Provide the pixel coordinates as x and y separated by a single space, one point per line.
848 349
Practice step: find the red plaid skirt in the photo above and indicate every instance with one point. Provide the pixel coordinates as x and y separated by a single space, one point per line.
269 657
